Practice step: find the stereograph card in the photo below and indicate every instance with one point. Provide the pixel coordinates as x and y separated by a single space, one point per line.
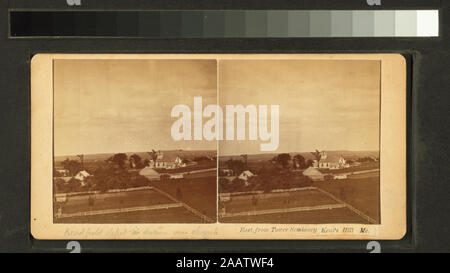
218 146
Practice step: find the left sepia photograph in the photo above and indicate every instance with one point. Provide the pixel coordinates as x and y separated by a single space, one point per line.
115 159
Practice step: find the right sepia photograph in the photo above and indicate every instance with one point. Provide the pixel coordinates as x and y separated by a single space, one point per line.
301 143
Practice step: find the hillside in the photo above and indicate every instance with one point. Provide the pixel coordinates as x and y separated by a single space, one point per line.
102 157
255 158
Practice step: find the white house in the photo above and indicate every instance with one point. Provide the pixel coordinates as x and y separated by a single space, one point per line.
82 175
176 176
340 176
245 175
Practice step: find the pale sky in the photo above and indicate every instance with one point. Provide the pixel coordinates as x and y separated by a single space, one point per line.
110 106
325 105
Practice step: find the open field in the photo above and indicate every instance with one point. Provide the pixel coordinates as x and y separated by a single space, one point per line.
361 193
199 174
336 215
198 193
276 201
194 195
367 174
170 215
352 200
141 206
104 201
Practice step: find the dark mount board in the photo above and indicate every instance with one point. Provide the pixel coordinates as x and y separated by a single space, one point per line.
428 116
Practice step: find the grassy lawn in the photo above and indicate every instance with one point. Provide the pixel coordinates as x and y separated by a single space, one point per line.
171 215
340 215
104 201
277 201
198 193
361 193
201 174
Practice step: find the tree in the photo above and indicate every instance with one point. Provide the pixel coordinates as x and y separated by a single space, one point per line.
108 177
316 155
224 185
366 159
153 155
72 165
202 158
185 160
236 165
73 185
308 163
118 159
56 173
81 157
283 160
146 162
245 157
135 161
60 185
299 161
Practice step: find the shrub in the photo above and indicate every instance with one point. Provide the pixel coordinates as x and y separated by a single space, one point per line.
328 177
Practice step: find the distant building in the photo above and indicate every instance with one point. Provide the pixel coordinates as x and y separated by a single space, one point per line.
340 176
63 172
168 161
314 174
176 176
60 198
227 172
245 175
82 175
330 162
